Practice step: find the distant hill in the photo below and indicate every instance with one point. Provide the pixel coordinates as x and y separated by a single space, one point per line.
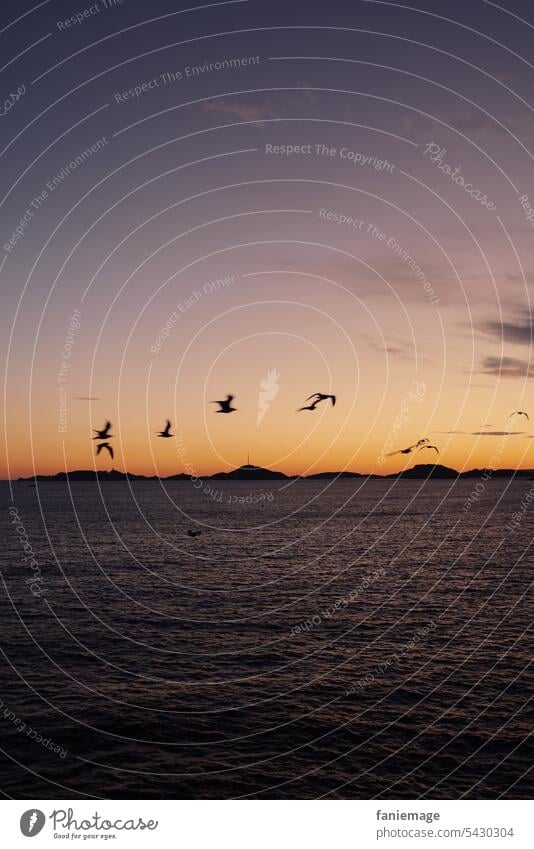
427 470
90 475
331 475
257 473
249 473
499 473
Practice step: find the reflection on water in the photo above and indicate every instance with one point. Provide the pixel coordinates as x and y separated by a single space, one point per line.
356 640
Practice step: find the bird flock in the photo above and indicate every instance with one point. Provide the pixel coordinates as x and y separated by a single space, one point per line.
225 407
103 435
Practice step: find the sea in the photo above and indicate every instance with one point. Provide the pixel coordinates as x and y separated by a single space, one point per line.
349 639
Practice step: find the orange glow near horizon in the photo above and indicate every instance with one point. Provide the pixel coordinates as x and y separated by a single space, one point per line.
158 323
356 435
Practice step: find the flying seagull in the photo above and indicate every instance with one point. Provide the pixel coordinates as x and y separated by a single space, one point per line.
226 406
428 446
104 445
520 413
421 443
318 398
166 433
194 533
103 434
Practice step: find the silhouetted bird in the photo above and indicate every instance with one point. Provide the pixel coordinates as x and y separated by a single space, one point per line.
166 434
421 443
318 398
520 413
104 445
226 406
193 533
103 434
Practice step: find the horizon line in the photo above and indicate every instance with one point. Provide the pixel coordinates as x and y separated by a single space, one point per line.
270 472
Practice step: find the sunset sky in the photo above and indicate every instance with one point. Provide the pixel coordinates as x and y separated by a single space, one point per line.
189 205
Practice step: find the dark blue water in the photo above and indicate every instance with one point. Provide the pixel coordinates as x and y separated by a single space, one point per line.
354 640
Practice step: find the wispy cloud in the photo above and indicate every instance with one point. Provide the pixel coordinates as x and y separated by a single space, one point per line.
289 102
241 111
396 348
484 432
478 124
498 433
506 367
519 331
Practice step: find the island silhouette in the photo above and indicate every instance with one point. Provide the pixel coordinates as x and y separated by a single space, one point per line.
250 472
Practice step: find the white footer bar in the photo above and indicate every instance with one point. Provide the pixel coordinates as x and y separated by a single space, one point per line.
268 824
